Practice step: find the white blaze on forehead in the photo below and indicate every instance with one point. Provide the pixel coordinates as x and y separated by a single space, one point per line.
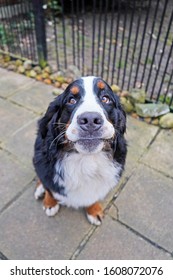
90 103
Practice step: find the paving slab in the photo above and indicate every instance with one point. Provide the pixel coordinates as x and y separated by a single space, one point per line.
12 118
138 135
36 97
29 234
146 205
14 178
159 156
21 143
11 82
113 241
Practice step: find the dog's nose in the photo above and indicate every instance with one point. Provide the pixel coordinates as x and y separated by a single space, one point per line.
90 121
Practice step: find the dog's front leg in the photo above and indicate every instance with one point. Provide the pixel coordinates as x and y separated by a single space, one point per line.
50 204
95 214
39 191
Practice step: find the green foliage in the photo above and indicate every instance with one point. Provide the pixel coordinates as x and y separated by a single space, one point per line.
8 33
164 99
2 35
54 6
42 61
6 36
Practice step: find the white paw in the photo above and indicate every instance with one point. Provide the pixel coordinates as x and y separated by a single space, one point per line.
52 210
94 220
39 192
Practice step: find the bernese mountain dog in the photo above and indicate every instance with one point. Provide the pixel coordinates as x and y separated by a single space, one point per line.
80 149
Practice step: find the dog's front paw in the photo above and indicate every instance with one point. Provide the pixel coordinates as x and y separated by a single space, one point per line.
50 205
94 220
95 214
51 211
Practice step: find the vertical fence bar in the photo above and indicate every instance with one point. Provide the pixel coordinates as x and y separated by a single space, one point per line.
13 36
169 83
120 63
99 34
64 35
24 33
168 86
73 32
129 41
155 49
162 54
32 33
28 29
116 42
134 48
83 36
110 37
142 43
104 40
150 40
40 31
55 31
165 71
5 30
77 31
29 49
33 38
93 36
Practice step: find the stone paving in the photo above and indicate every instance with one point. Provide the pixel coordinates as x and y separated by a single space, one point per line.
138 221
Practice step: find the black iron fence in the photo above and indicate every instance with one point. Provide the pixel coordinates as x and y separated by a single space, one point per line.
127 42
17 29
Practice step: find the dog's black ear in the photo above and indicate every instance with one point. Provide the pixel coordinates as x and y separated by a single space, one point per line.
122 119
54 107
119 114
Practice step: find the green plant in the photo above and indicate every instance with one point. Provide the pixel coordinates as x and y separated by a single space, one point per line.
54 6
165 99
3 38
6 37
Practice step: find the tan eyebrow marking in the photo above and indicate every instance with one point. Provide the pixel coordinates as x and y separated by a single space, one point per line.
101 85
74 90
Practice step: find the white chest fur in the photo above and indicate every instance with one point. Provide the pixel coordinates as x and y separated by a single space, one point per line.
88 178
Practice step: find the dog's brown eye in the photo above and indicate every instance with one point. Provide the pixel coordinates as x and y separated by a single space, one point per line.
72 101
105 99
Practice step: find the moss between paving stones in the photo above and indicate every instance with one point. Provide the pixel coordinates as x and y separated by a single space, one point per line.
61 79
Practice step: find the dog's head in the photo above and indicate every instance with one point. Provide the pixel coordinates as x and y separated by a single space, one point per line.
87 115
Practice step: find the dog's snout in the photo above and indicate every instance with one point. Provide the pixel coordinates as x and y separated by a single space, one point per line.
90 121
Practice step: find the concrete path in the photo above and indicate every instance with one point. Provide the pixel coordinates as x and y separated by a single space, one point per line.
138 221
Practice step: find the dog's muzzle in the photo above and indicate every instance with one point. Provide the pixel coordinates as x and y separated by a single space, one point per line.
89 132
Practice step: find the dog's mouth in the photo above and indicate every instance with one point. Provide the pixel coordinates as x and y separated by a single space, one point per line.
91 145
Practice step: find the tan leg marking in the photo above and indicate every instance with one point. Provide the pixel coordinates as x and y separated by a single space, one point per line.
95 213
49 201
50 205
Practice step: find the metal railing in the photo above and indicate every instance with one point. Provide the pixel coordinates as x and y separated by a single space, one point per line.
17 29
127 42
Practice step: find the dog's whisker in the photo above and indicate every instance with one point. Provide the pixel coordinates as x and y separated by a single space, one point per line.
59 124
57 138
